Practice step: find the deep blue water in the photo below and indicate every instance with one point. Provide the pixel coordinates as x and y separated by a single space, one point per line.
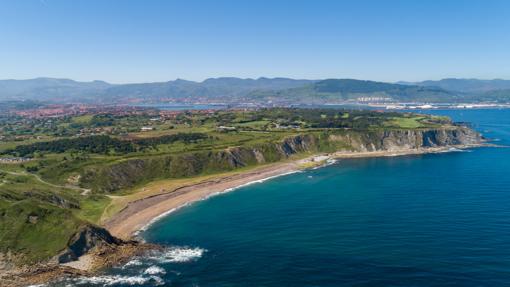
427 220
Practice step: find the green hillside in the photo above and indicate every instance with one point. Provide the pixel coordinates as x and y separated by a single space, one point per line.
63 182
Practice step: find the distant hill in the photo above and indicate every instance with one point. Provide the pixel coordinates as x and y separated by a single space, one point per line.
221 89
465 85
44 89
282 91
336 90
48 89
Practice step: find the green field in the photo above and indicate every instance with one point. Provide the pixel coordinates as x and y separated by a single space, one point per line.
83 169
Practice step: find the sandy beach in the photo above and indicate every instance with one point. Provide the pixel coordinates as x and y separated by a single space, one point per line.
140 213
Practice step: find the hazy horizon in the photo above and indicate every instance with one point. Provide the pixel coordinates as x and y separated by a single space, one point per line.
245 78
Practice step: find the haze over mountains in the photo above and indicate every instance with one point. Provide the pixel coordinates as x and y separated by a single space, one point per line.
261 90
465 85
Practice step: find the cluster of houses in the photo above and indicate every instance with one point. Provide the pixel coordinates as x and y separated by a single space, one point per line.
54 111
14 159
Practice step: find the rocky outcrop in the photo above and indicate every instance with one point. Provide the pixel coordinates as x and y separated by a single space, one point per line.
392 140
103 250
128 173
296 144
89 237
6 261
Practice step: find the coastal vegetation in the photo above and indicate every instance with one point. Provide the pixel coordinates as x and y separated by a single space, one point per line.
101 144
71 180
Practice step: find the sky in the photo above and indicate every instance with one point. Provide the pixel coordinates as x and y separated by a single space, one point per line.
147 41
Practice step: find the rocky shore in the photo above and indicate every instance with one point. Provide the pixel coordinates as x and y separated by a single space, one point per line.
98 258
95 248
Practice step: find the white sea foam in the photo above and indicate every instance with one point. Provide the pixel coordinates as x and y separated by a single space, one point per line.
454 149
177 255
134 262
154 270
109 280
252 182
152 221
327 163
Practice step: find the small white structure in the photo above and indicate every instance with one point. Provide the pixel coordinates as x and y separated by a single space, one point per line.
224 128
146 129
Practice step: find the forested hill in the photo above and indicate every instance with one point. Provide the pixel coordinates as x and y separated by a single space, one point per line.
332 90
58 90
262 90
465 85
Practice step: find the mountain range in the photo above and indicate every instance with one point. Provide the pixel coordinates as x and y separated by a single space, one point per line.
465 85
261 90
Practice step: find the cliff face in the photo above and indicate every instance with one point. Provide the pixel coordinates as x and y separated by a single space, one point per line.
392 140
128 173
86 239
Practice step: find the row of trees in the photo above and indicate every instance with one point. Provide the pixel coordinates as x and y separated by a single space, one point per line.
168 139
102 144
90 144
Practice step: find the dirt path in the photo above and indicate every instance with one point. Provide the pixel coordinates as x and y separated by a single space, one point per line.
84 191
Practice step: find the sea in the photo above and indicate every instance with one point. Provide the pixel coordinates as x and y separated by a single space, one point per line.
422 220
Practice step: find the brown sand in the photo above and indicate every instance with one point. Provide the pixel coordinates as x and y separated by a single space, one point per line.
141 212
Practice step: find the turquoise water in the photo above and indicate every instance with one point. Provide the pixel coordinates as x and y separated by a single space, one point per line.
426 220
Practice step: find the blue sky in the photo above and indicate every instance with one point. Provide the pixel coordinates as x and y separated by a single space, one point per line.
142 41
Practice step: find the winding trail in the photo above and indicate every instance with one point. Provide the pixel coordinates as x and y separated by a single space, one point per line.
83 191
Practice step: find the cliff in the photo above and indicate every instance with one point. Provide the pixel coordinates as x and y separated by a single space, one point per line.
392 140
68 237
87 238
129 173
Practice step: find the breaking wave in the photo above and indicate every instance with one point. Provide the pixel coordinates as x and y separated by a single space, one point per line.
134 262
177 255
328 162
153 270
252 182
111 280
454 149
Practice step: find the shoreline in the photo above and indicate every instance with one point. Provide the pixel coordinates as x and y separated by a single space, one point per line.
139 215
164 214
